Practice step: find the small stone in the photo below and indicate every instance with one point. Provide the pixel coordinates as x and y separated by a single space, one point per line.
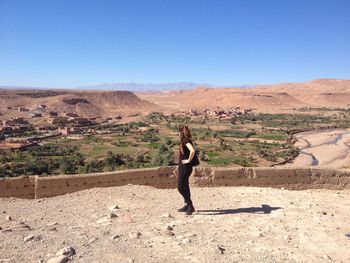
221 249
32 238
116 237
92 240
326 257
324 213
287 238
113 207
135 235
8 218
112 215
186 241
169 227
170 233
28 238
67 251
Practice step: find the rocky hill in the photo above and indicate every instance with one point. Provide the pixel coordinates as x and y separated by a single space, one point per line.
83 103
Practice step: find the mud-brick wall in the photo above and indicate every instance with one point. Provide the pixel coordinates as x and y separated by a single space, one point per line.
166 177
161 177
289 178
18 187
262 176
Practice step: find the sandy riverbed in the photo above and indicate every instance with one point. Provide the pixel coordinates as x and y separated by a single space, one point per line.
324 148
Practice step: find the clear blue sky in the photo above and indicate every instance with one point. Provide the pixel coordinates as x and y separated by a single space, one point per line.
67 43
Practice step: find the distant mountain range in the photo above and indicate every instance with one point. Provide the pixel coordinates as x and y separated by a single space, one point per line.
130 86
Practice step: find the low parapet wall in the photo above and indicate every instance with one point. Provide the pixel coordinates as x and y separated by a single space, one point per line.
166 177
289 178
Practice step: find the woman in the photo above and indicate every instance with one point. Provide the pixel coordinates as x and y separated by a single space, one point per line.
186 154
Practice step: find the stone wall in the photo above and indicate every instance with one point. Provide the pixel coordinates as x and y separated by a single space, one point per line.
166 177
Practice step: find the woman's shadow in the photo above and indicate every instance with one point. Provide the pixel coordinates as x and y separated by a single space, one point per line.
264 209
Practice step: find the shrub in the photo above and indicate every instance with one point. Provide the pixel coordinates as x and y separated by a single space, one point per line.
164 156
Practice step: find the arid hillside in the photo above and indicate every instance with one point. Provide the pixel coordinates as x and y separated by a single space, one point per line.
315 86
223 97
268 98
317 93
82 103
279 97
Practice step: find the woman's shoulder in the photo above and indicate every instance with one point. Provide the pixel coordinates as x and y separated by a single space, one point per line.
186 140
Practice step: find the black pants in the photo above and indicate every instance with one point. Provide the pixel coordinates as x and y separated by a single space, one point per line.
185 171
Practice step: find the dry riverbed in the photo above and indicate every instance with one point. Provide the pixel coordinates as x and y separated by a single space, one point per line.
324 148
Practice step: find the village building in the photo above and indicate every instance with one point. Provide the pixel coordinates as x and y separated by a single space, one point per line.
61 121
35 115
39 108
68 130
6 129
15 121
82 121
53 114
21 109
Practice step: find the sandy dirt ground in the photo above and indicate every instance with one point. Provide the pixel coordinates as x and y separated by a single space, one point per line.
324 148
140 224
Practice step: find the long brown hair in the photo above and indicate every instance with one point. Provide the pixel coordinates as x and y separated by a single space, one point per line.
184 133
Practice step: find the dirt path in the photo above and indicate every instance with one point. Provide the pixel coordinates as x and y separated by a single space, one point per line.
232 224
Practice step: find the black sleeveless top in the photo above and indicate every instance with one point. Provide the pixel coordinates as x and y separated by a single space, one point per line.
186 154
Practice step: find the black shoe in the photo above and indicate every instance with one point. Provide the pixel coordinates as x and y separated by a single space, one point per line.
190 210
183 209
